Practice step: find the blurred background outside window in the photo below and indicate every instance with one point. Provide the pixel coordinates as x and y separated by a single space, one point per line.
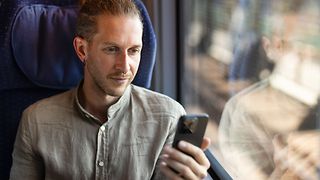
254 67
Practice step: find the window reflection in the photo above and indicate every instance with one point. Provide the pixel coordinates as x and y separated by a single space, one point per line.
254 67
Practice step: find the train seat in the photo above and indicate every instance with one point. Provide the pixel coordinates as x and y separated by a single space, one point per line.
38 60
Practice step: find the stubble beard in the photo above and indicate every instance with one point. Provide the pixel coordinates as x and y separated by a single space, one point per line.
104 87
107 89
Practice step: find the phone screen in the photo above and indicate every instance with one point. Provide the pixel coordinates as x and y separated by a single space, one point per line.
191 128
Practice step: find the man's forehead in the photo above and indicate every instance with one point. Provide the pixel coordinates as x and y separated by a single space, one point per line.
119 30
106 17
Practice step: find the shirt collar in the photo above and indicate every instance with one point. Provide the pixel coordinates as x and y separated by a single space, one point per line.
120 106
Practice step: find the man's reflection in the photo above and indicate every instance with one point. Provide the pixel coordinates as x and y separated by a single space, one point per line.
261 132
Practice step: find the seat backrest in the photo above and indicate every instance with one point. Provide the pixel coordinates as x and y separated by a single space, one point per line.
38 60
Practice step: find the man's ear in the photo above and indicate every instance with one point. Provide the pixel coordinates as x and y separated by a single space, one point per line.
266 44
80 45
269 48
274 48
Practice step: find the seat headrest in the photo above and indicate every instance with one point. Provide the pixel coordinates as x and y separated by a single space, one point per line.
49 59
41 42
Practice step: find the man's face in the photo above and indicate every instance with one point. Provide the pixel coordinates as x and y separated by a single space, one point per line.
113 54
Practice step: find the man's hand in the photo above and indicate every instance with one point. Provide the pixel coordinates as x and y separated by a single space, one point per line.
298 157
189 162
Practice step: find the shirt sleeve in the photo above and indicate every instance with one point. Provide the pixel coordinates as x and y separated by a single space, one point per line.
172 131
26 165
243 139
158 175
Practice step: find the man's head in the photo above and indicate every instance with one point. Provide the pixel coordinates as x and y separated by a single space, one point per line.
286 23
90 9
109 42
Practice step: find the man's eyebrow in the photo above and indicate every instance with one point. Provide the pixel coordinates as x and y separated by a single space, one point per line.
115 44
110 44
137 46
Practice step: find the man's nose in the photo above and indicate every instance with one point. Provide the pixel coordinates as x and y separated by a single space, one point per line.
122 62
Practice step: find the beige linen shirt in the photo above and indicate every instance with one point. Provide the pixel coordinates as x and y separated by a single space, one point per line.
58 139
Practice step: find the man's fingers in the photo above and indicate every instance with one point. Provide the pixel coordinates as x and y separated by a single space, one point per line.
179 169
196 162
166 170
195 152
188 161
205 143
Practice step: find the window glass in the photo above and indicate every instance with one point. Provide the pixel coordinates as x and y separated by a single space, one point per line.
254 67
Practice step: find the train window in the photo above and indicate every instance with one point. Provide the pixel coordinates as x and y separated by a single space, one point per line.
254 67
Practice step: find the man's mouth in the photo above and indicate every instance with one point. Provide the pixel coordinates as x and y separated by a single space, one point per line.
120 79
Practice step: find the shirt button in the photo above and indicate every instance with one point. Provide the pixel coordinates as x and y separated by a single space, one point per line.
101 163
102 128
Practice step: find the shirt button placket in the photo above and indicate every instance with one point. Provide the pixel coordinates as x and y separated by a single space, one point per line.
102 156
102 129
101 163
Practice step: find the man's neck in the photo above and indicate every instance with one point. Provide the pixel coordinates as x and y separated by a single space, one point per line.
96 102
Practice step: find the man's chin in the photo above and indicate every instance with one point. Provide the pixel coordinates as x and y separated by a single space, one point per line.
116 92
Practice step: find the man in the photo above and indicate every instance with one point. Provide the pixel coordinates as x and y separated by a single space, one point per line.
106 128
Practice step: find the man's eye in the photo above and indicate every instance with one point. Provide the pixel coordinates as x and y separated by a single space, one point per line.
111 50
134 51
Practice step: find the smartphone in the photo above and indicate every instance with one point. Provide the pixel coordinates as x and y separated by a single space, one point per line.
191 128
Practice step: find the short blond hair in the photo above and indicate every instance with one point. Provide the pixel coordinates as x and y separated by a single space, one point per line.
90 9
